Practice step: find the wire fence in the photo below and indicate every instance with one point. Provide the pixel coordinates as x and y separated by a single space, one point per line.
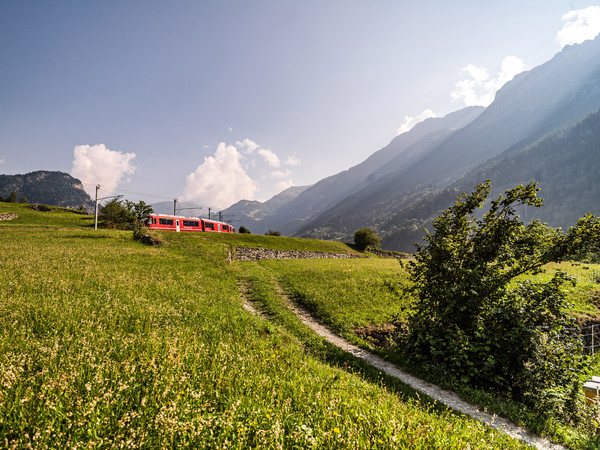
590 336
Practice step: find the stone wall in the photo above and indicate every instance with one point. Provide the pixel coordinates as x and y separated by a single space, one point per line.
8 216
254 254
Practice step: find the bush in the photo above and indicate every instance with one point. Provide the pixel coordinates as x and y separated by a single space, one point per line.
466 323
364 238
244 230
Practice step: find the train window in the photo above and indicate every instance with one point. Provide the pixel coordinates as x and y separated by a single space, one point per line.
225 227
209 226
150 220
191 223
165 221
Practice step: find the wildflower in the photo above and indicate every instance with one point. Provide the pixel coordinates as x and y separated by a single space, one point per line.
336 430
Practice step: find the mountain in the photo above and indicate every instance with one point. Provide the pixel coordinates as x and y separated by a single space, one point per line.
534 104
48 188
289 213
565 164
255 215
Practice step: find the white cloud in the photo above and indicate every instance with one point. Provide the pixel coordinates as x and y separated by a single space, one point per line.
281 173
579 25
292 161
270 158
2 161
247 146
220 180
480 88
410 122
96 164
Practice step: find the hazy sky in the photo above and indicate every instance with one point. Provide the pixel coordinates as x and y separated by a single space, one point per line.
215 101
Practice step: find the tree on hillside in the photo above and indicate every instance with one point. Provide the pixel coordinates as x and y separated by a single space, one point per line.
366 237
468 323
124 215
115 215
139 210
12 198
244 230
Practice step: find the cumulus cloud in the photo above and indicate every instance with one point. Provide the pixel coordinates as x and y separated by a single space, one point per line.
579 25
292 161
270 158
281 173
480 87
220 180
247 146
410 122
96 164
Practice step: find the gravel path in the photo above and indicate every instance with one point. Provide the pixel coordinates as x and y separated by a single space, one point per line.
435 392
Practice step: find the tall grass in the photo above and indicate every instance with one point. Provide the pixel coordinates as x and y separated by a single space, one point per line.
105 342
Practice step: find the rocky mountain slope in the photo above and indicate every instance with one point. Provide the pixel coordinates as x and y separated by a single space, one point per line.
47 187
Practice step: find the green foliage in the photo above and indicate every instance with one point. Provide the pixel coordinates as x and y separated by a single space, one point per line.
12 198
115 215
244 230
139 210
466 321
272 233
124 215
366 237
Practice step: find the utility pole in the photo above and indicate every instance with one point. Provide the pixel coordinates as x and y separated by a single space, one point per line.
96 209
220 216
174 206
209 213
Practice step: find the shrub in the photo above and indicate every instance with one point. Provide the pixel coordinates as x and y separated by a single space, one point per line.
244 230
466 322
366 237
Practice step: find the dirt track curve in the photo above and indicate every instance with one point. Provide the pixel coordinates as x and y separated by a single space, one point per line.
438 394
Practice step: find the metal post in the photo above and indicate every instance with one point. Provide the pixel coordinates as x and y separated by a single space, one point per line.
96 209
174 206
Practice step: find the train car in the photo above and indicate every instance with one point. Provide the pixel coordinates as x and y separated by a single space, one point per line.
180 223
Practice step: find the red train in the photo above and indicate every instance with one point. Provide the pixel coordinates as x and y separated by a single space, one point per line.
180 223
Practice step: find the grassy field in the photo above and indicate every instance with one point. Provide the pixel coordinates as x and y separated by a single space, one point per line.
105 342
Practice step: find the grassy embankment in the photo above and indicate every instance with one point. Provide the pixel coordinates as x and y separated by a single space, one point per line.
355 296
106 342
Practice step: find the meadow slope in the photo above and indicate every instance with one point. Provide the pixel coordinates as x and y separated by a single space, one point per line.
105 342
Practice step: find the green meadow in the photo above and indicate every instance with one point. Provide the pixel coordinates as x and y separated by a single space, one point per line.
106 342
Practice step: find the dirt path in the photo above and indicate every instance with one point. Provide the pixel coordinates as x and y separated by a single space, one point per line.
435 392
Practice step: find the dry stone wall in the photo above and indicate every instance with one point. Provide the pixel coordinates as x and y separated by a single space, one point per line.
8 216
255 254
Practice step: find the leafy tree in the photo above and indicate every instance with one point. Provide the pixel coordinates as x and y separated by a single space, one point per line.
468 324
23 200
139 210
272 233
124 215
366 237
244 230
115 215
12 197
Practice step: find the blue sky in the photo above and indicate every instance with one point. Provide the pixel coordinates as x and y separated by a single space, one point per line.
215 101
